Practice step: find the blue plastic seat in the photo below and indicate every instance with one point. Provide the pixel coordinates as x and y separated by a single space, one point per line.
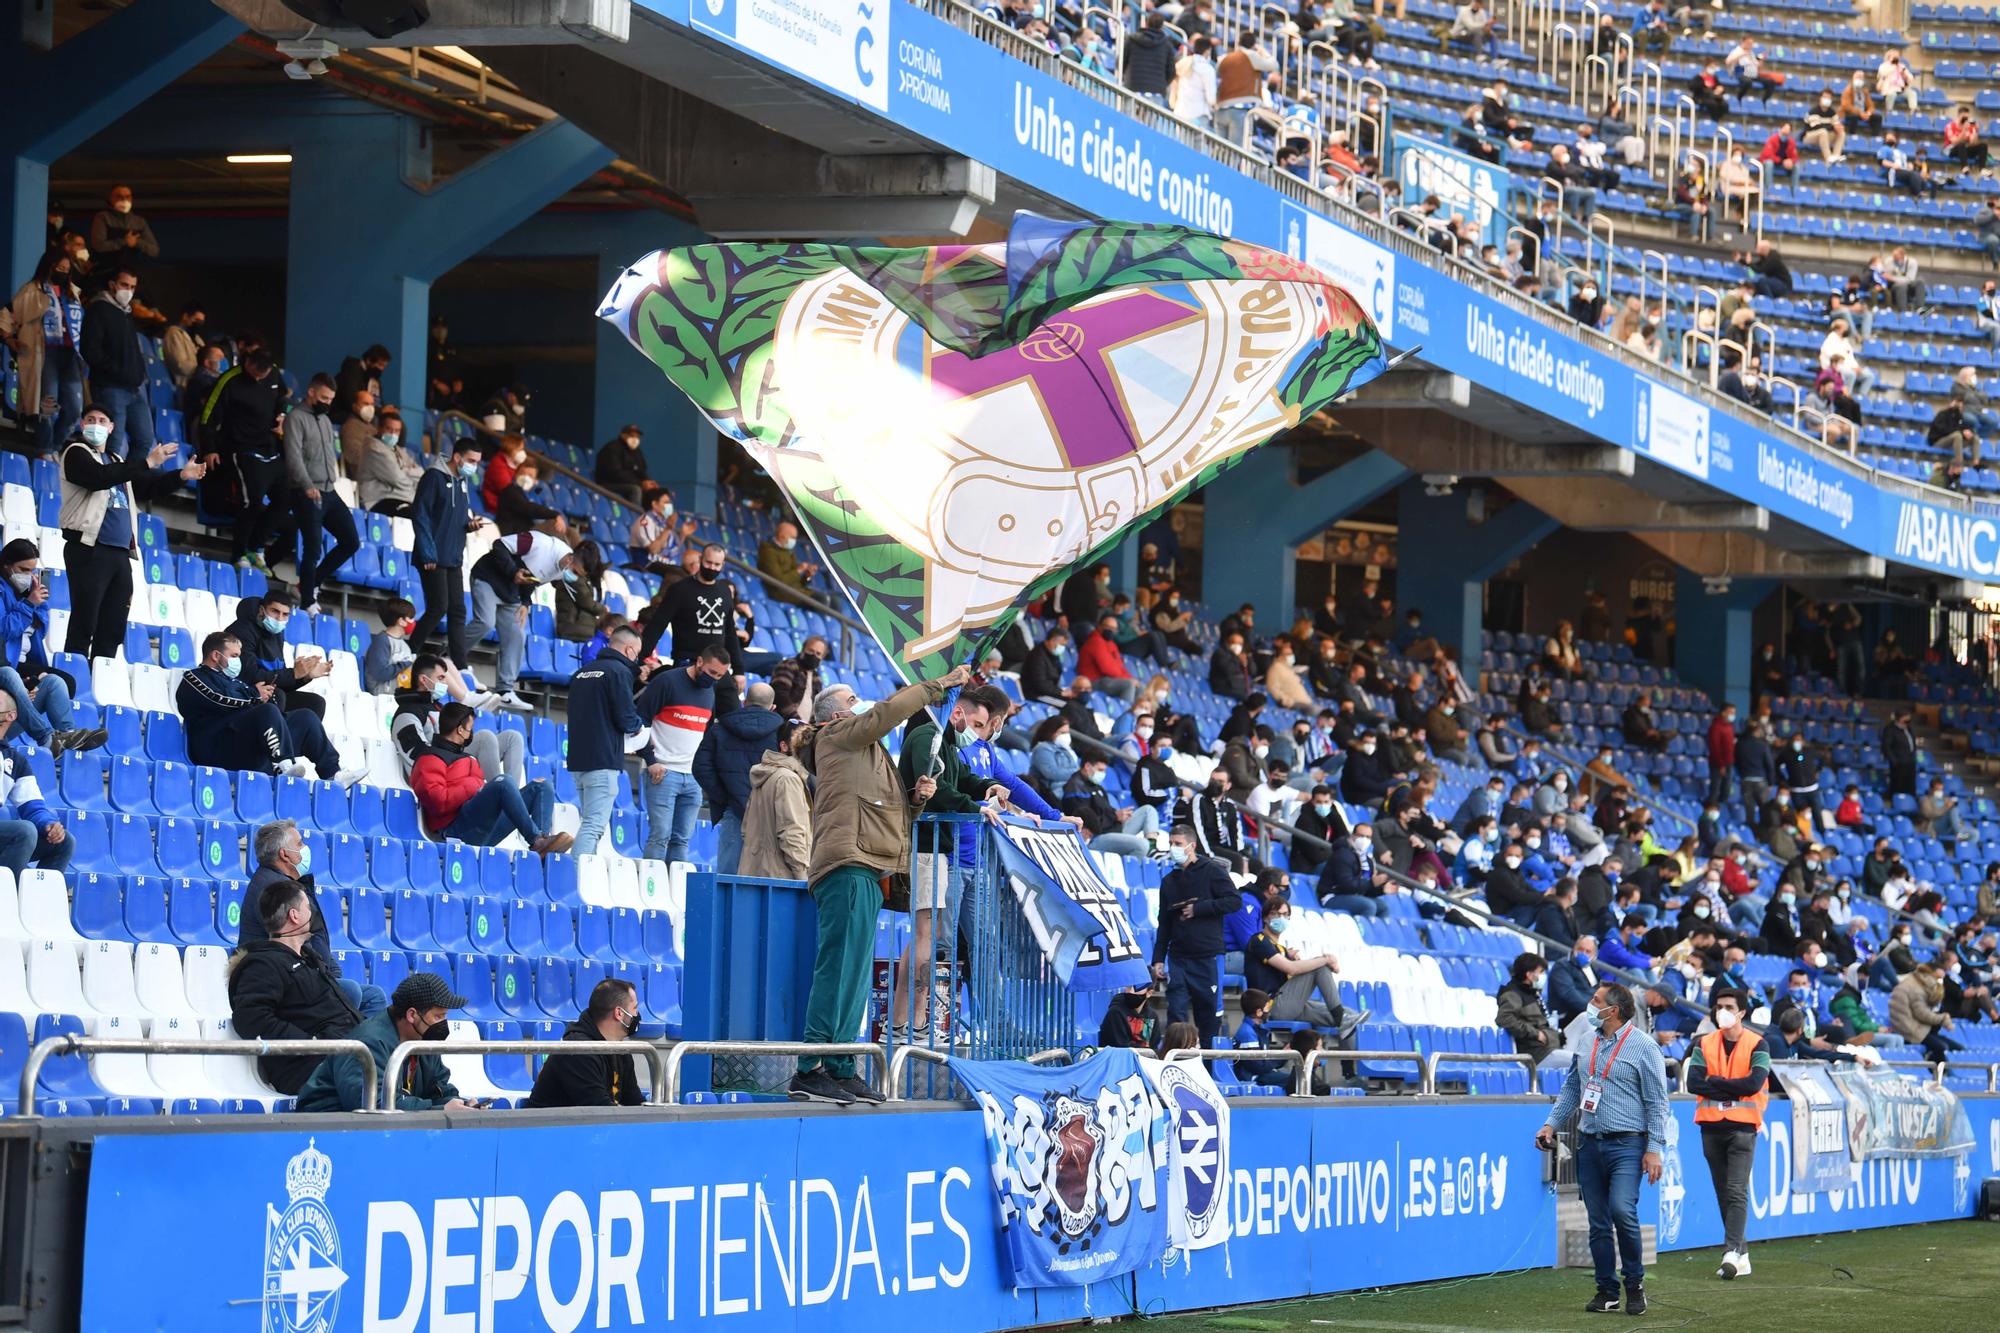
132 844
367 920
525 928
461 867
472 975
330 808
559 878
388 864
65 1076
553 987
585 975
368 811
349 862
410 921
559 931
256 798
82 781
146 911
496 872
657 932
628 936
97 906
229 911
400 808
662 994
426 866
178 847
191 912
295 801
448 923
329 900
222 850
173 789
387 968
514 986
485 925
593 934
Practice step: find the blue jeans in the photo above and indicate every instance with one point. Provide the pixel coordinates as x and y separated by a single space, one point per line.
62 380
42 713
369 1000
21 842
1194 994
1882 974
671 806
1354 904
131 416
328 515
596 789
488 612
500 808
728 843
1607 1174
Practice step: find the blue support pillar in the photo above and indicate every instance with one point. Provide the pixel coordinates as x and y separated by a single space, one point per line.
1444 559
369 233
57 99
1713 635
681 445
1256 514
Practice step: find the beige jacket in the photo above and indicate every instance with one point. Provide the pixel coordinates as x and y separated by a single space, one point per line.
860 816
777 822
1282 684
1911 1011
22 319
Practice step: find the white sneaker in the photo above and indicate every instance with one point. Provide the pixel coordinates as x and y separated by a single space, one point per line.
1743 1263
1733 1264
298 768
482 701
347 777
515 702
311 608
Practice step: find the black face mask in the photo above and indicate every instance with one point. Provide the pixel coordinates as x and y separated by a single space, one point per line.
438 1031
317 409
709 575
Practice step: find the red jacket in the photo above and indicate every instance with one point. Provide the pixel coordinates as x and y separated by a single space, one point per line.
1100 659
1779 149
499 476
444 780
1722 743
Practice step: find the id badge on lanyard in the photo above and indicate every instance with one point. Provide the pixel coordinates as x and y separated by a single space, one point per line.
1593 1085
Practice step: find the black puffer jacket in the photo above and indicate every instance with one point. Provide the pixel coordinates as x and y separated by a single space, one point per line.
275 993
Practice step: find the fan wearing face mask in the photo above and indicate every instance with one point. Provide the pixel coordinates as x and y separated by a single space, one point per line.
1728 1070
592 1077
420 1010
282 990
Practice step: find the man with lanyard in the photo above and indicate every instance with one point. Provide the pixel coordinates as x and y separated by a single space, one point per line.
1728 1069
1618 1088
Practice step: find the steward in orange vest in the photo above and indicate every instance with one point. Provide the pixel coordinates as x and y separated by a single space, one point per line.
1729 1071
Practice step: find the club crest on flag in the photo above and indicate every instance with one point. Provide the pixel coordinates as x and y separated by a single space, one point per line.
956 426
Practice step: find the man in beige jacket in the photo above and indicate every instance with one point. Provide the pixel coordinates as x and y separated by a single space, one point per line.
861 831
777 821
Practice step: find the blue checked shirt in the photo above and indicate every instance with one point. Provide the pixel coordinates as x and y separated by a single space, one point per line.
1635 1088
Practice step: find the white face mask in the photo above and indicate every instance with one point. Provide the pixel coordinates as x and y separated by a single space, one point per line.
1065 741
1513 862
1261 750
121 206
123 297
1725 1019
1143 733
22 582
366 411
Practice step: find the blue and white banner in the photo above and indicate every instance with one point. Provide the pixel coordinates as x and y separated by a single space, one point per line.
1881 1192
1079 1156
1894 1115
965 95
1821 1160
1197 1152
1471 187
1075 915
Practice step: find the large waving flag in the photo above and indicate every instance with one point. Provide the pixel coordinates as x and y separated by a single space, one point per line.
956 426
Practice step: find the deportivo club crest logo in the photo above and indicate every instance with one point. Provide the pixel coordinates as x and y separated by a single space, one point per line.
302 1272
1197 1131
1078 1139
1673 1192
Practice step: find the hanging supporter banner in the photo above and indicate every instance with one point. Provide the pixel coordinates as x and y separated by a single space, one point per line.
1075 915
1197 1152
1471 187
1079 1166
955 426
1894 1115
1820 1155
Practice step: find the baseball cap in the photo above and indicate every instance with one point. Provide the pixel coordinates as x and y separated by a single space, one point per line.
424 990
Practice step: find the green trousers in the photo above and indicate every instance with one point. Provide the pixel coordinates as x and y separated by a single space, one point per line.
849 900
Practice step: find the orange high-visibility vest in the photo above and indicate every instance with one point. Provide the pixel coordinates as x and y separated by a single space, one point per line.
1731 1061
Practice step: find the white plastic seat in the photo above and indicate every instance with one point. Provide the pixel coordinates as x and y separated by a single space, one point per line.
565 818
55 982
152 688
122 1074
14 995
655 879
50 542
232 1075
107 978
677 898
205 968
58 618
625 882
17 509
468 1068
345 678
110 681
402 534
44 905
179 1075
10 908
385 767
158 978
593 879
198 606
158 604
363 717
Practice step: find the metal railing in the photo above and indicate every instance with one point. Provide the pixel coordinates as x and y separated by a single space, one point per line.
680 1052
899 1067
1434 1059
408 1050
1992 1068
31 1071
1425 1087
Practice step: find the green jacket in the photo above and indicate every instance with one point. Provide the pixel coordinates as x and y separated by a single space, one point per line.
1848 1008
959 790
337 1085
